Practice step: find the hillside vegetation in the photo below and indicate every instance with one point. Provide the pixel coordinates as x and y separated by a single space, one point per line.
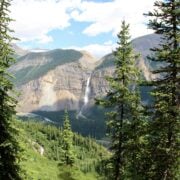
42 151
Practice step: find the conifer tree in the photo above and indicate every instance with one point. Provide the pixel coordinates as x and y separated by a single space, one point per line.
9 168
67 142
125 119
164 125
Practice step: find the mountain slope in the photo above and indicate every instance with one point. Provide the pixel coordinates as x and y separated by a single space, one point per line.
34 65
54 79
143 44
36 136
105 67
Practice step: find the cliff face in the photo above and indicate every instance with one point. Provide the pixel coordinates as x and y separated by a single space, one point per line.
59 87
59 79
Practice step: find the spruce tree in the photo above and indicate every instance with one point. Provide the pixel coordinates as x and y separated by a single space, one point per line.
164 124
9 168
125 118
68 157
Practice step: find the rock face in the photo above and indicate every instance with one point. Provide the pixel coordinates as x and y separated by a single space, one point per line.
105 66
59 79
61 86
58 89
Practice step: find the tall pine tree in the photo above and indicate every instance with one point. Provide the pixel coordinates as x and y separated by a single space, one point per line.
164 125
9 148
125 120
68 157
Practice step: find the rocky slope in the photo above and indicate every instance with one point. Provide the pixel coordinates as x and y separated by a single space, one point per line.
53 80
105 67
58 79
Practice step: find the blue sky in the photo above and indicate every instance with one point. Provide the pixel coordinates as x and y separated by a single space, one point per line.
89 25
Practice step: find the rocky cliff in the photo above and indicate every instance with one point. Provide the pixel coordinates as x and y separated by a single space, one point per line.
105 66
58 79
53 80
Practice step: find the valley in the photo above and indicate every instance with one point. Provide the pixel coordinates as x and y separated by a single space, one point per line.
52 81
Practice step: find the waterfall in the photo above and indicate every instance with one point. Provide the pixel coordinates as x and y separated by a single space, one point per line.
87 91
86 97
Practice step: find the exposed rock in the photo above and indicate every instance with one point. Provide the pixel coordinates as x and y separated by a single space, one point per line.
62 87
37 147
99 85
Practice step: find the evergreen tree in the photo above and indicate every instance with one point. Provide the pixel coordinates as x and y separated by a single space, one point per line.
67 142
125 120
9 169
164 125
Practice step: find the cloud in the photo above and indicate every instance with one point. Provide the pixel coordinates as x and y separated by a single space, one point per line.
107 17
35 18
97 50
44 39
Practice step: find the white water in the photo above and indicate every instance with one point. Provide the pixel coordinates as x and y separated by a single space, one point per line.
87 91
86 97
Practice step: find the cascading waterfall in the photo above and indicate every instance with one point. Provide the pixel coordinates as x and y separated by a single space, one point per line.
86 97
87 91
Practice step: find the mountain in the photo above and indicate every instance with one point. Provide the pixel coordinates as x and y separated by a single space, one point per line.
105 66
54 80
18 51
145 43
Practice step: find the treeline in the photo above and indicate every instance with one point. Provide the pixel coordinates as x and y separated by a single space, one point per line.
86 155
93 125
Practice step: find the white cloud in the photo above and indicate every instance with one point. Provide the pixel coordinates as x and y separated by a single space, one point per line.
44 39
107 17
97 50
35 18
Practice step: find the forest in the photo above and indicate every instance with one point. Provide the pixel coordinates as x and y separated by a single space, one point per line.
142 140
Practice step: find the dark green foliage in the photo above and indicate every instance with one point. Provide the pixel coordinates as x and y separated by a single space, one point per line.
162 160
88 153
9 149
126 125
68 157
67 173
93 125
56 57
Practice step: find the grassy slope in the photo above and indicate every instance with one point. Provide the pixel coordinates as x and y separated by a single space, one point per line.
46 167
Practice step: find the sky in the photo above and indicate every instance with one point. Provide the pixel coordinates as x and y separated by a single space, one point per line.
90 25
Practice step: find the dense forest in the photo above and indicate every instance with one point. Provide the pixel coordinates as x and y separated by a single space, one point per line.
143 139
43 153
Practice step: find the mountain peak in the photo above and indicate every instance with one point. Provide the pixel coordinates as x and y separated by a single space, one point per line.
18 50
